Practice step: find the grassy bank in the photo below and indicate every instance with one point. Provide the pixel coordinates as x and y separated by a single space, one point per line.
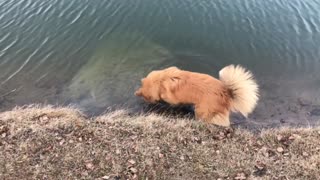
61 143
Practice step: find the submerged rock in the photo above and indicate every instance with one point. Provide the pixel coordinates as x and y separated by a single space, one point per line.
315 112
114 71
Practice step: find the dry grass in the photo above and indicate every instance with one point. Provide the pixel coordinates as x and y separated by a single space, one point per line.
61 143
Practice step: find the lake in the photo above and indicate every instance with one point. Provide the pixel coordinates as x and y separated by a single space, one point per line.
91 54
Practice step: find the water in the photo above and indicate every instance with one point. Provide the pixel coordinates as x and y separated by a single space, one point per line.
92 53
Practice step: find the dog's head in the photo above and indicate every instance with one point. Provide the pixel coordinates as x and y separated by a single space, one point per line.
151 85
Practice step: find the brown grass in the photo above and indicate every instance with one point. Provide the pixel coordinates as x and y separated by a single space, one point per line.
61 143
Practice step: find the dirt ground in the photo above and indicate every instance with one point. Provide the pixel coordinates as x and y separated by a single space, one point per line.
62 143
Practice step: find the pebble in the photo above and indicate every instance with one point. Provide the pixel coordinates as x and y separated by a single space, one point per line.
279 137
240 176
280 149
131 161
134 170
89 166
118 151
61 142
305 154
182 158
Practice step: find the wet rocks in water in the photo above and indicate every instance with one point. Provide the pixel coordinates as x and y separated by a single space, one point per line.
315 112
304 102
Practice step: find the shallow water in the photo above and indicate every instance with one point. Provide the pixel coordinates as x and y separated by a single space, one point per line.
91 54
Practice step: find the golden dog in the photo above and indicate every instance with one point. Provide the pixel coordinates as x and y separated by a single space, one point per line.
213 99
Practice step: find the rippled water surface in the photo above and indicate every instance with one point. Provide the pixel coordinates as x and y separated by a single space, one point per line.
92 53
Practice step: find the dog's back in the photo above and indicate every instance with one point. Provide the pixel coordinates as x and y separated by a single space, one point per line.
185 87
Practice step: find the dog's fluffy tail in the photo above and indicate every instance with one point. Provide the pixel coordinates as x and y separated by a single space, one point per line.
244 90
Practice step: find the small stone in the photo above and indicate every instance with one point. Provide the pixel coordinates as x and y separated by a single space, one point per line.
44 118
61 142
305 154
80 139
279 137
259 143
134 137
58 138
71 141
131 161
118 151
240 176
161 155
280 149
89 166
134 176
85 173
105 177
182 158
133 170
286 154
3 135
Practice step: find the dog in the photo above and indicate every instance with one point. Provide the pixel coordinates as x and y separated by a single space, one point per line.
213 99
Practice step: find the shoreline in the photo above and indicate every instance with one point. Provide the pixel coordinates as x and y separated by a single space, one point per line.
61 142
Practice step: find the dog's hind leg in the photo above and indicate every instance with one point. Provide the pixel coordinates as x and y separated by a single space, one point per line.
221 119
